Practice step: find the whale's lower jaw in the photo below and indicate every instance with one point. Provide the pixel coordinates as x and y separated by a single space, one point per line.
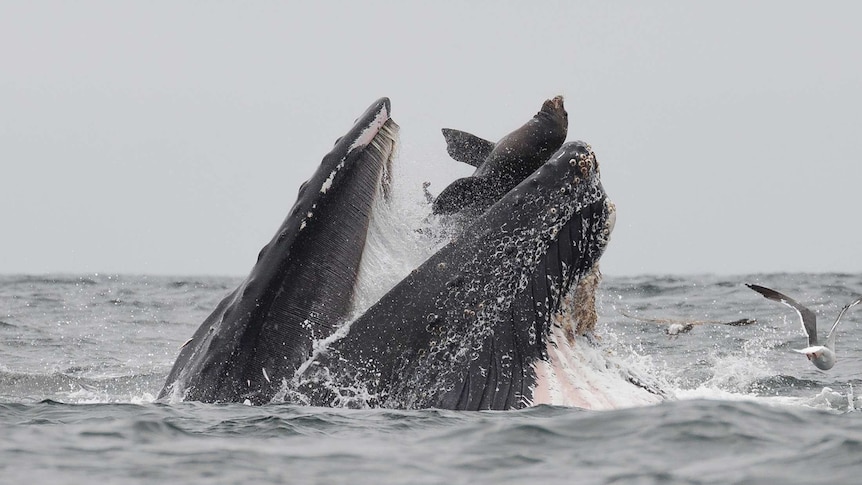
301 287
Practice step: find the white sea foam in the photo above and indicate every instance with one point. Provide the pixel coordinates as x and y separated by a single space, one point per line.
398 239
587 375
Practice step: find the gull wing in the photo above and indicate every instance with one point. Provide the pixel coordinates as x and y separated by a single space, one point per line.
830 338
809 319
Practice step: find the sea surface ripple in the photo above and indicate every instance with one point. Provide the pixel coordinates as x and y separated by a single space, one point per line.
82 357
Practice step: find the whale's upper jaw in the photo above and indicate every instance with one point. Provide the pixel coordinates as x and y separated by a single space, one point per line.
464 330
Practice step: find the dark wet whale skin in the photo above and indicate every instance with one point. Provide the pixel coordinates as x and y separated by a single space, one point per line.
300 288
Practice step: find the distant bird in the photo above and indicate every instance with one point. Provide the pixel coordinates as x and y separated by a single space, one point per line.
822 356
675 327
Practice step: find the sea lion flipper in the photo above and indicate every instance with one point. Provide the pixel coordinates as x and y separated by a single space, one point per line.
467 148
462 193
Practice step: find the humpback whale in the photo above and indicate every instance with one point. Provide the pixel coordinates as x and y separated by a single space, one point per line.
822 355
301 287
503 165
498 318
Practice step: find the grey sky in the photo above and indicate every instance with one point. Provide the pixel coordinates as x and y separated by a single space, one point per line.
171 137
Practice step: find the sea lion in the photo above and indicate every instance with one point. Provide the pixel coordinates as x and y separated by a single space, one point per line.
503 165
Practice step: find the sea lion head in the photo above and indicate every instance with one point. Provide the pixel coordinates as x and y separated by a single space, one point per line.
553 108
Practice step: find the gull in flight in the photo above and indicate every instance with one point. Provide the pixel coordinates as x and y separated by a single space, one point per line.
821 355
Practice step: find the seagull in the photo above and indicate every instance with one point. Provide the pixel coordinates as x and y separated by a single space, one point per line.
675 327
822 356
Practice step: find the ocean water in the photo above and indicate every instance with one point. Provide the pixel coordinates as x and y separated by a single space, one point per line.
83 356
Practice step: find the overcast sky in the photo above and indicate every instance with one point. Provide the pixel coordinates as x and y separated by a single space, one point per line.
171 137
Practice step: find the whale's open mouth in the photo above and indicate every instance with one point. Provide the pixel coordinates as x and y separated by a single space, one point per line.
489 321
